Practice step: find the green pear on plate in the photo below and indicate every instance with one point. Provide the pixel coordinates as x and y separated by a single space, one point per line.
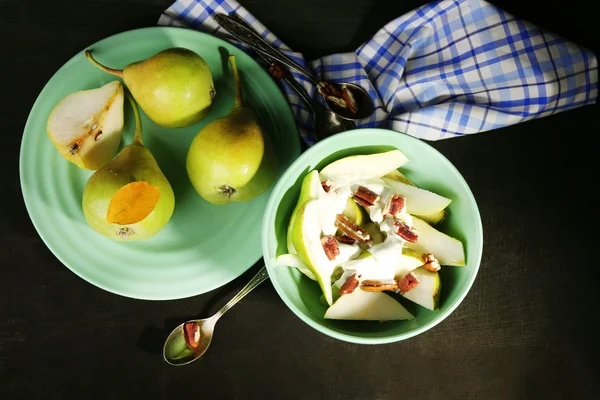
231 158
86 126
369 166
428 290
448 250
174 87
129 198
367 306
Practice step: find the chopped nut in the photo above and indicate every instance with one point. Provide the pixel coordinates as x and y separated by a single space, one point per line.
345 239
276 71
378 286
192 334
349 99
407 283
330 246
328 185
394 206
349 286
351 229
365 197
431 263
406 232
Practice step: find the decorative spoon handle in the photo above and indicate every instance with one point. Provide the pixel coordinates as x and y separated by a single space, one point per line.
254 41
259 278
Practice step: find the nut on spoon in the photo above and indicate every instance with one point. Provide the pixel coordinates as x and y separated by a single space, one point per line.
190 340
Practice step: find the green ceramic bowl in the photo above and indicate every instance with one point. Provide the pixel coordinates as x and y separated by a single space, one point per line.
429 169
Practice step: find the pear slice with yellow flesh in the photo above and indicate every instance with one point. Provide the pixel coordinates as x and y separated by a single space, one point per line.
129 198
418 201
311 185
447 250
367 306
368 166
86 126
434 218
306 237
174 87
428 290
399 177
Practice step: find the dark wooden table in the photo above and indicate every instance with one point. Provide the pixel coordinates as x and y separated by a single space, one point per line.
526 330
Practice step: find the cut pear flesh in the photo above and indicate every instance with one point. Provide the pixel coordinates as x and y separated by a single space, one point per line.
399 176
86 126
306 237
434 218
448 250
419 201
427 292
309 190
369 166
367 306
292 260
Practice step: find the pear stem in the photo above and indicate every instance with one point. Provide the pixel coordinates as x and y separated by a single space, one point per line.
238 85
116 72
137 136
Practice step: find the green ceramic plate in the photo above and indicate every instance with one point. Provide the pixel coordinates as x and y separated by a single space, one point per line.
429 169
204 246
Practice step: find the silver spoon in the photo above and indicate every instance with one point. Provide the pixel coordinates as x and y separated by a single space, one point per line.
241 31
190 340
325 122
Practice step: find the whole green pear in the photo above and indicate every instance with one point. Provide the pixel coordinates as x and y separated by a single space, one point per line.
174 87
134 165
231 159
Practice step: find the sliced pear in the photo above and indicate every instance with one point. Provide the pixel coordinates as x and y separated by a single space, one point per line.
434 218
399 177
353 168
309 190
354 212
306 237
375 233
292 260
419 201
86 126
427 292
448 250
367 306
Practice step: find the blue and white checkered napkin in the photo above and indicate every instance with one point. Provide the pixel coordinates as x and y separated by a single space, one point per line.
447 69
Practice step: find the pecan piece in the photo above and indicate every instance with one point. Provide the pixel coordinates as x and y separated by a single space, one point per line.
351 229
407 283
395 205
276 71
192 334
331 247
349 99
365 197
345 239
406 232
349 286
327 185
378 286
431 263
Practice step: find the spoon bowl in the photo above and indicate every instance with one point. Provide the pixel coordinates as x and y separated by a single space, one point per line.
190 340
364 103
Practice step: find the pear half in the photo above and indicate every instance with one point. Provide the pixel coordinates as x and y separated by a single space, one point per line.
129 198
86 126
369 166
427 292
367 306
448 250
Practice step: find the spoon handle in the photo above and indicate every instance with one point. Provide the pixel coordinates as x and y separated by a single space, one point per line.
259 278
252 39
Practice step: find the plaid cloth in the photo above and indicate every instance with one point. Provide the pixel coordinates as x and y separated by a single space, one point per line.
449 68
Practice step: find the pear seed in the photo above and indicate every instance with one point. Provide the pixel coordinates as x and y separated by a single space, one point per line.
98 136
95 125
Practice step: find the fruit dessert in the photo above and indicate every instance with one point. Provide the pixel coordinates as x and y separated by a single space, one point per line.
366 233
